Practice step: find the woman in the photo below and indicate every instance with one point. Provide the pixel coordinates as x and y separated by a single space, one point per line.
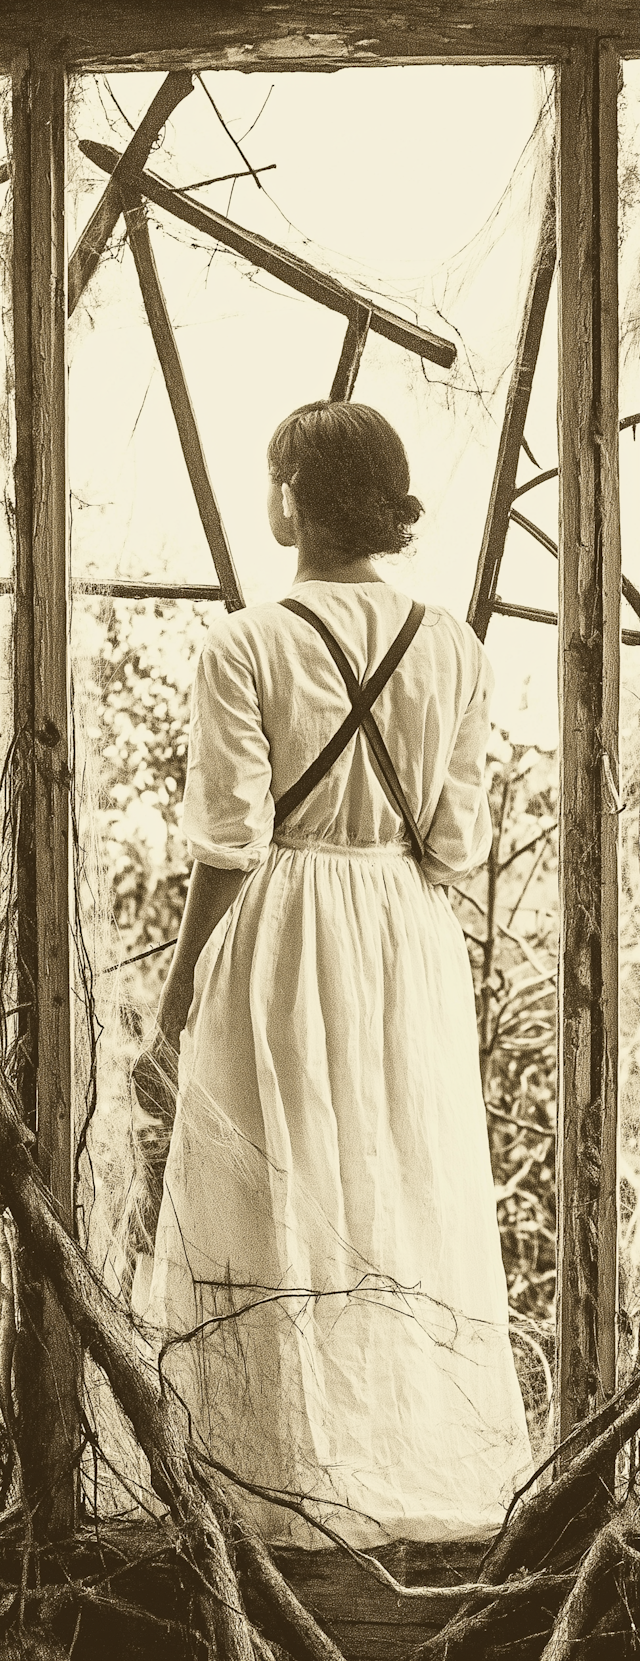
327 1255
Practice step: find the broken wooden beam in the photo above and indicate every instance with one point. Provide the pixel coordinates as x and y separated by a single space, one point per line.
288 268
92 243
518 396
175 382
150 591
349 362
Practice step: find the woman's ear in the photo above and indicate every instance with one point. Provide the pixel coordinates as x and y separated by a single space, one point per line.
287 502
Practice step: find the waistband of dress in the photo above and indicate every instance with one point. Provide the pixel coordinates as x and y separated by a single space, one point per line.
350 850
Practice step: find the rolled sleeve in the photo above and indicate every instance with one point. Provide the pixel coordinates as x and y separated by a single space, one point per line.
228 807
461 830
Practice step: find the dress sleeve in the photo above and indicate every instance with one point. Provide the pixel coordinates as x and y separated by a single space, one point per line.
460 833
228 807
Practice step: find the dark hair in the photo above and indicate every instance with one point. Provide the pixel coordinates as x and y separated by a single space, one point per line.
349 472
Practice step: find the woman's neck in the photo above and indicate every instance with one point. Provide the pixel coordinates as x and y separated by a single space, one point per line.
335 570
319 560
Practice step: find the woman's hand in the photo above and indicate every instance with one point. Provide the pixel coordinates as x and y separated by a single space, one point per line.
175 1002
155 1080
155 1073
155 1076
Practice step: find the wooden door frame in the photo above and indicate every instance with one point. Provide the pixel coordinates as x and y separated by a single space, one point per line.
40 43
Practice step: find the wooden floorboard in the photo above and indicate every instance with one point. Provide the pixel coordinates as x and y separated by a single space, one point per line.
369 1621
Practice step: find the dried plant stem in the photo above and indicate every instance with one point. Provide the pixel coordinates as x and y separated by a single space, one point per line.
576 1616
201 1509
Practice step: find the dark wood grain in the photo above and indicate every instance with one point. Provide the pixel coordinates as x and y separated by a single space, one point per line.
23 653
589 612
48 1366
150 591
138 33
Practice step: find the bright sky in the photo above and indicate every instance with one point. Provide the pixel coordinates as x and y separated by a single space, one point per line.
424 185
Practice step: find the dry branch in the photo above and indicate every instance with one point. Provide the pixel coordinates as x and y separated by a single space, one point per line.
201 1510
215 1540
576 1615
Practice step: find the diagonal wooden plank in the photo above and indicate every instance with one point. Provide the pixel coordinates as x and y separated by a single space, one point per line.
288 268
352 349
511 437
175 381
91 245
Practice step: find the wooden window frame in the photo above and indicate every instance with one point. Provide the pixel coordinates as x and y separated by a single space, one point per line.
39 44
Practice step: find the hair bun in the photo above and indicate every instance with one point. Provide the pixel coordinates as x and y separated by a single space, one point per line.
407 509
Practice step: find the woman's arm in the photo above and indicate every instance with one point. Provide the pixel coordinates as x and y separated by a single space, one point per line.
459 836
211 891
155 1072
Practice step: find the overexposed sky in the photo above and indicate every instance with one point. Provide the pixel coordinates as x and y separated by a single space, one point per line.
424 185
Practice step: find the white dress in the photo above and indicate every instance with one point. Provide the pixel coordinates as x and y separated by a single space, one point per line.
327 1252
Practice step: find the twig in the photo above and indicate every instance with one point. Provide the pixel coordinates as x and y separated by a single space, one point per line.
520 1124
229 134
221 178
149 951
504 1190
111 1337
526 846
545 974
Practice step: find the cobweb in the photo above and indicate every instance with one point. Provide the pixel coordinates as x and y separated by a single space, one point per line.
130 876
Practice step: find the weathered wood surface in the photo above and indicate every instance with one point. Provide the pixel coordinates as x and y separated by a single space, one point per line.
535 614
350 358
589 613
95 236
287 267
150 591
371 1622
189 1486
98 35
23 649
49 1359
517 405
629 590
180 400
551 1527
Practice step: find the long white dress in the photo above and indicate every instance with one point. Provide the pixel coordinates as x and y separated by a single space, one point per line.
327 1253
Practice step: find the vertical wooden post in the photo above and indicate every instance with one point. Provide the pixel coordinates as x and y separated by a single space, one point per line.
589 665
48 1362
27 945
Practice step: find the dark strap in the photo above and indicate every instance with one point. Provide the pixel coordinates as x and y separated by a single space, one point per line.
362 697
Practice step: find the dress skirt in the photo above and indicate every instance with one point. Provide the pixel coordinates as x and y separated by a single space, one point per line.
327 1258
